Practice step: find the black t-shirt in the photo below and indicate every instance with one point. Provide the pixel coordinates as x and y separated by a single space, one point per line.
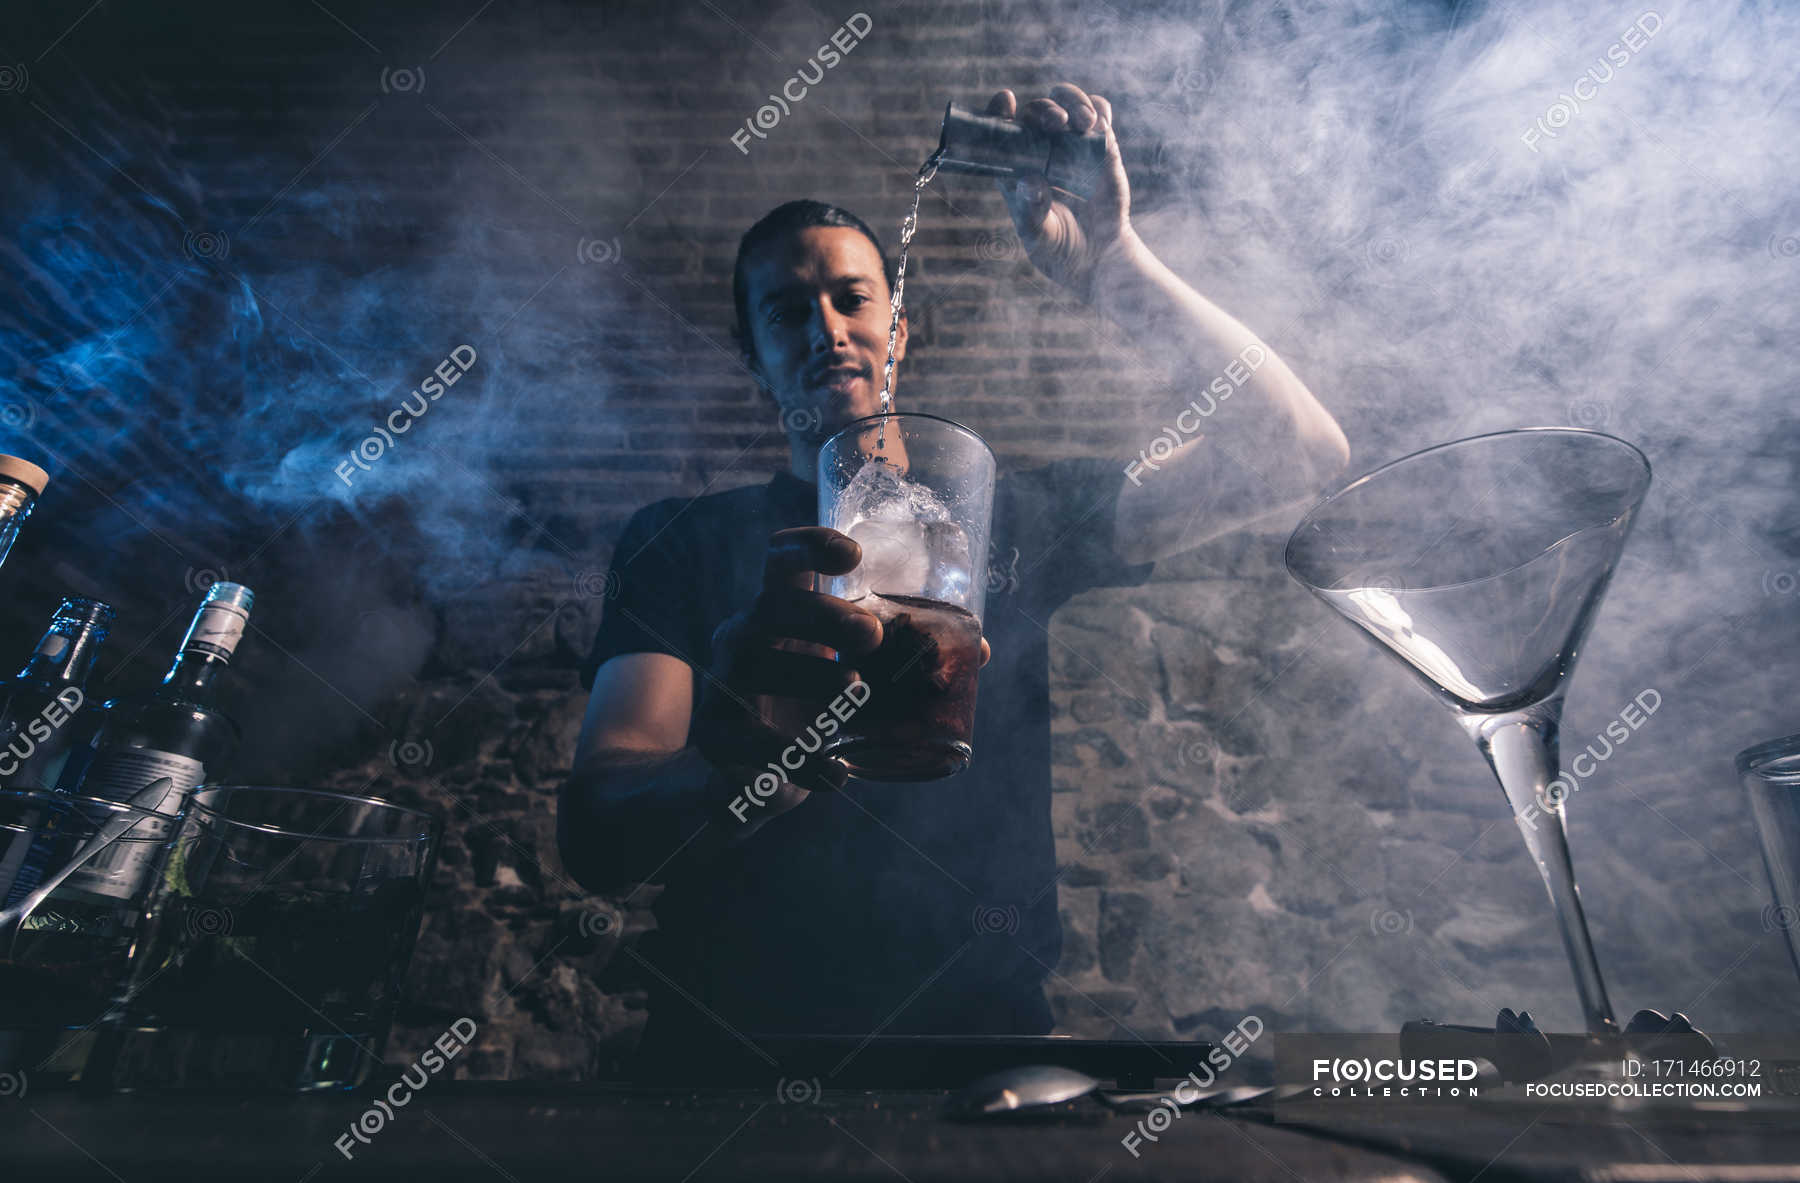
912 908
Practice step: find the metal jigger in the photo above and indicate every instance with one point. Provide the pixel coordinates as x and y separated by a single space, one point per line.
988 146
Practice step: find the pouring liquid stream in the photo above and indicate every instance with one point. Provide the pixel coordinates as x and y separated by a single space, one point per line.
907 229
771 707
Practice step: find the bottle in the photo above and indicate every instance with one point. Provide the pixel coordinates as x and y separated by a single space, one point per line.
21 484
176 730
37 725
48 692
989 146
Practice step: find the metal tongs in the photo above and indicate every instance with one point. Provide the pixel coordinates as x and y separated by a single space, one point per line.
1521 1052
12 920
1039 1086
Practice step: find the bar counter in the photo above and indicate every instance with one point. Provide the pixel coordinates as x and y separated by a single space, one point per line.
455 1130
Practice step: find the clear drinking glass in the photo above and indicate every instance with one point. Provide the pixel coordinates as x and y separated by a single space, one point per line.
1770 773
69 959
282 927
917 493
1479 566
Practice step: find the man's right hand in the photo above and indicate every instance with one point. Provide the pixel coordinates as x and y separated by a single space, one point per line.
780 646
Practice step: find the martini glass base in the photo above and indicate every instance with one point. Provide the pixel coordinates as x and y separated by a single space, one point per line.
1521 747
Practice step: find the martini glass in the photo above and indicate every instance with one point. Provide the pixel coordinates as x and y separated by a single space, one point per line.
1479 565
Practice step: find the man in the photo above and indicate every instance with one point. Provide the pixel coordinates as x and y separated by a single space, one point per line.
867 908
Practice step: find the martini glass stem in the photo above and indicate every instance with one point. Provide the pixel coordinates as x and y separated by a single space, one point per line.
1520 746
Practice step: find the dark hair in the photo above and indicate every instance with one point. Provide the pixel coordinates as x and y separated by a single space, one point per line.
775 225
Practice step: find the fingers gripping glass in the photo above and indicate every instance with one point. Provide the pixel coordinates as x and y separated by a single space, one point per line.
916 492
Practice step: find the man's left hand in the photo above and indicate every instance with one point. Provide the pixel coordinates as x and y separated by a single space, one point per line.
1067 239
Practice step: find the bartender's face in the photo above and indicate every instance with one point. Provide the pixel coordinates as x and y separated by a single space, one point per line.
819 309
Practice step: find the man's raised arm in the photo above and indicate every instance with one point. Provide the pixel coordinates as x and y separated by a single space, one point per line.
1239 438
1238 434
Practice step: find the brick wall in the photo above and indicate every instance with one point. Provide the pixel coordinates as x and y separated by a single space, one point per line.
1215 864
611 127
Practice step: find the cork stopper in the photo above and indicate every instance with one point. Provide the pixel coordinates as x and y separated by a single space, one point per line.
15 468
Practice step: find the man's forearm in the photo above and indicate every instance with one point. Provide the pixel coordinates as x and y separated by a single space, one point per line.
1236 435
635 817
1195 343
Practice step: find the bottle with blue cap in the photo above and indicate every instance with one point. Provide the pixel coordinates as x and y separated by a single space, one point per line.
46 706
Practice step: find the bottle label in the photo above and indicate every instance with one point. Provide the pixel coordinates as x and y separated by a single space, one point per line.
120 869
217 628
